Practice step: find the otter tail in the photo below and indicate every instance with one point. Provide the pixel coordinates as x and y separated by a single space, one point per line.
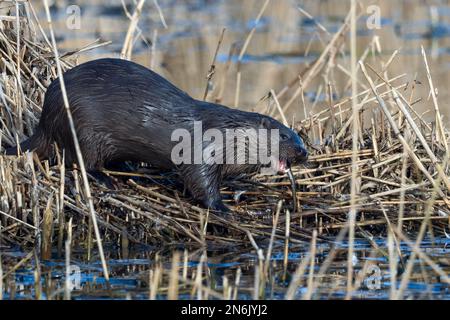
38 143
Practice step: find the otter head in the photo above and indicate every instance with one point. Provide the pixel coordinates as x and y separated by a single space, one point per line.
291 148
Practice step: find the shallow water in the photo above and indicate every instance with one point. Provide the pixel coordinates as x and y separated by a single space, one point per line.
129 275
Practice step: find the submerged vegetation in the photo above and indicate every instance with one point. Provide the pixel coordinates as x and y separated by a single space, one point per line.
378 170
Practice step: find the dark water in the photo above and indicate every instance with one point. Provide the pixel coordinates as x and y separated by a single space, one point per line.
128 278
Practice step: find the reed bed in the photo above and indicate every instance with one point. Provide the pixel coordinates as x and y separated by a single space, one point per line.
396 169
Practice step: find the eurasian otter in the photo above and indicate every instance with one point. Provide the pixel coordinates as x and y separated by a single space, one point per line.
125 112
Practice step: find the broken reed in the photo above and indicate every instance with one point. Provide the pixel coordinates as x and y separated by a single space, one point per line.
400 160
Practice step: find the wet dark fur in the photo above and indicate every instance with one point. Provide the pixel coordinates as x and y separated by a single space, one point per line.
125 112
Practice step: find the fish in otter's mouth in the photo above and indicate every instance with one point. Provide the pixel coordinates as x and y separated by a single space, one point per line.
279 166
282 165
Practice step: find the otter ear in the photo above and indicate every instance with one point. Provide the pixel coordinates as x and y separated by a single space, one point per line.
265 123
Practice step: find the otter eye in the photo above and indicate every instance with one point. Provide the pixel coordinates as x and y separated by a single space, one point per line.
284 137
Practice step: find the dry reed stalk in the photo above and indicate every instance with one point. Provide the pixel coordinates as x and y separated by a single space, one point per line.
212 68
237 283
18 265
68 247
173 278
400 137
153 50
61 215
277 104
91 46
354 190
272 236
286 244
127 48
416 247
19 221
76 144
417 251
206 290
310 286
330 257
400 103
47 231
440 134
222 84
37 277
244 49
298 275
160 13
1 273
198 279
309 16
185 264
154 281
349 99
257 283
392 266
318 64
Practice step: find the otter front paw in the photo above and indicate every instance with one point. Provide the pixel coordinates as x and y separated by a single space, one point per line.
222 210
219 207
